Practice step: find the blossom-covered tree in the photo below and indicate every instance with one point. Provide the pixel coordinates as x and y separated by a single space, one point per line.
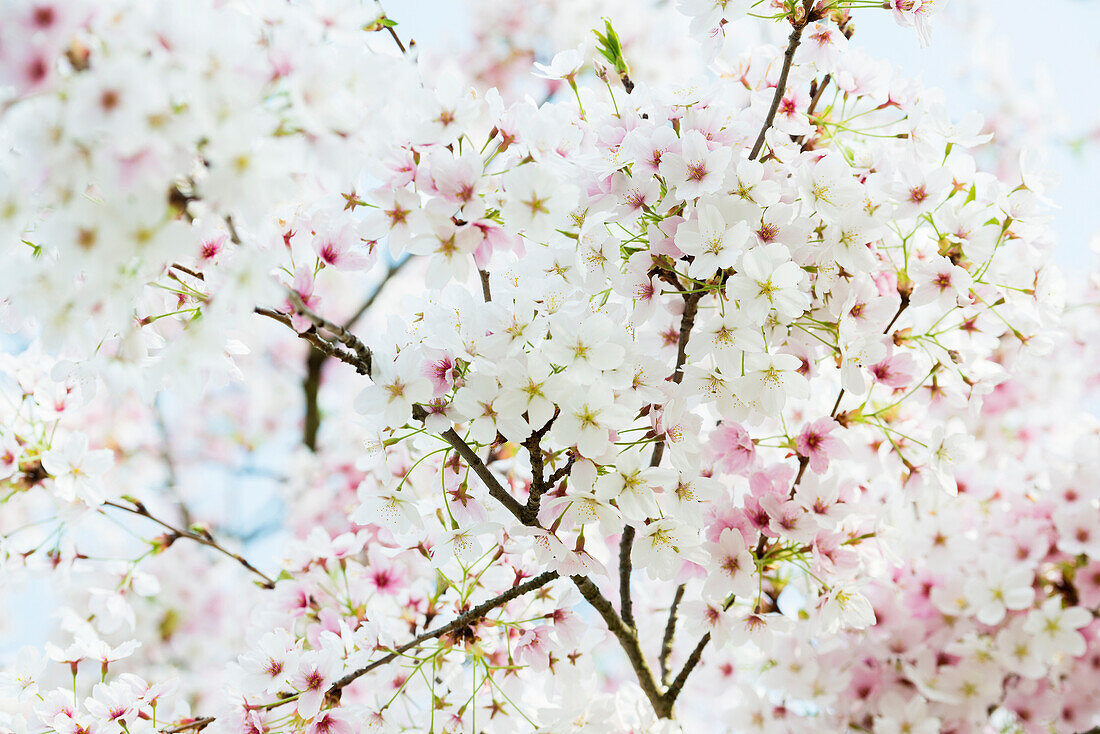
598 395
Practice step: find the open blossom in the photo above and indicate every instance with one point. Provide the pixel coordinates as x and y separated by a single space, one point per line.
816 445
341 248
916 13
735 568
734 447
944 452
316 672
396 388
271 662
998 590
769 279
565 65
696 169
585 421
76 471
845 607
1057 628
712 242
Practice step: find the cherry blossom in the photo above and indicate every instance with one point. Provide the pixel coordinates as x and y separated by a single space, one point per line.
363 384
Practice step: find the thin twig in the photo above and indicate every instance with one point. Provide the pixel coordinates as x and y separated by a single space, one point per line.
670 631
311 383
203 538
628 640
485 292
317 340
338 332
539 484
390 273
496 489
781 86
194 725
678 684
189 271
626 544
462 620
396 40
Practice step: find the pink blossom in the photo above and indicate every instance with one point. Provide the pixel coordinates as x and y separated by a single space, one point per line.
341 248
816 444
734 447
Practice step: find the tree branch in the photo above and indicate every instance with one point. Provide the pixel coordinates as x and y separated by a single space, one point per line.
496 489
193 725
318 341
670 630
781 86
485 292
626 543
628 640
626 636
539 484
311 383
203 538
339 333
462 620
673 691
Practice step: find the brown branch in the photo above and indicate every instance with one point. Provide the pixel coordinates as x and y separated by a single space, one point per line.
485 292
781 86
539 484
670 631
311 383
396 39
317 341
817 89
673 691
338 332
193 725
390 273
626 636
496 489
563 472
233 236
818 93
189 271
203 538
626 545
628 640
463 620
311 388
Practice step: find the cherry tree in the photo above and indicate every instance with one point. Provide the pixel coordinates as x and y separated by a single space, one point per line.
591 393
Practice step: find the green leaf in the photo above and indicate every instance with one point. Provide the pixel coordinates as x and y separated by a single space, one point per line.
611 48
